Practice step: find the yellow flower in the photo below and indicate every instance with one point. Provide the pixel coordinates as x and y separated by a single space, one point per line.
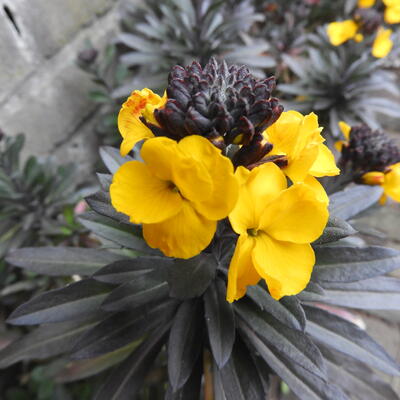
276 225
141 103
389 180
382 44
299 139
341 31
178 193
345 128
365 3
392 11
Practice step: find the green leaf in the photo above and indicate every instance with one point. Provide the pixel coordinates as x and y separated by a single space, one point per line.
185 343
99 96
240 379
303 383
349 339
127 270
61 261
356 378
46 341
74 301
126 380
76 370
191 389
288 310
121 329
100 202
353 200
220 321
121 234
381 293
112 158
190 278
350 264
335 230
147 288
292 344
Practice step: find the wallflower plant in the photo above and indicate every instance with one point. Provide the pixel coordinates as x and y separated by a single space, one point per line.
219 252
367 21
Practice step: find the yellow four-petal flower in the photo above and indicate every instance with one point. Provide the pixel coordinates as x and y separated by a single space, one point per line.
276 225
178 193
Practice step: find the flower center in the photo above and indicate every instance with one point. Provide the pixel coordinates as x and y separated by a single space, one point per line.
252 232
173 187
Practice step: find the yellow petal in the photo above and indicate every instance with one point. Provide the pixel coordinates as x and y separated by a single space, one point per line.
263 184
382 44
183 236
339 145
373 178
318 189
296 215
135 191
365 3
139 103
286 267
391 185
218 201
167 160
241 270
340 32
345 128
392 12
325 164
297 137
132 130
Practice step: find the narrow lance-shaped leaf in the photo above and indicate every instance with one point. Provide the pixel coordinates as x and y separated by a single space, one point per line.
347 338
62 261
335 230
353 200
240 378
190 278
147 288
220 321
121 329
126 379
288 310
350 264
130 269
46 341
185 343
292 344
303 383
74 301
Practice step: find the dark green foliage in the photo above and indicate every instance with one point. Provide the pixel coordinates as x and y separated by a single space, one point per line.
165 326
343 83
37 199
157 36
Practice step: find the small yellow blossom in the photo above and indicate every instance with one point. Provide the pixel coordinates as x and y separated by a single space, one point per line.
382 44
345 128
392 11
178 193
276 225
342 31
389 180
141 103
365 3
299 139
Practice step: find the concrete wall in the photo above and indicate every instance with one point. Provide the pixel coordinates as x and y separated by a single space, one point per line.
42 92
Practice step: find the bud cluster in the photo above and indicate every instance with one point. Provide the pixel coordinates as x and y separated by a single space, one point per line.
369 150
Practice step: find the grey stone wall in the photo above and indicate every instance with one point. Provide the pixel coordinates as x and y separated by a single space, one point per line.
42 92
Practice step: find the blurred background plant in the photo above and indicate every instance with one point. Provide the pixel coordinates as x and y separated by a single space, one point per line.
39 201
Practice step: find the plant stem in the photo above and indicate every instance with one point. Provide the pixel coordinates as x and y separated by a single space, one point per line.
208 377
